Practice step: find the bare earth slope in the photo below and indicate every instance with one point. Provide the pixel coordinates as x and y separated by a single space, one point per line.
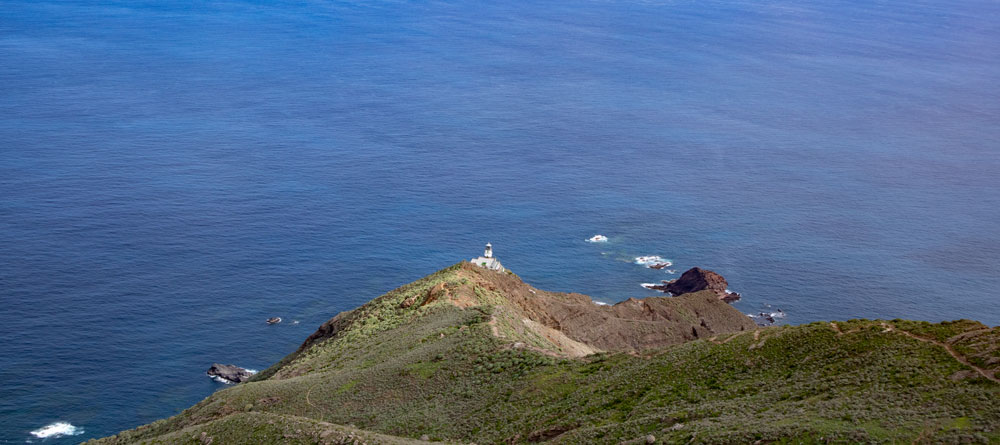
469 355
632 325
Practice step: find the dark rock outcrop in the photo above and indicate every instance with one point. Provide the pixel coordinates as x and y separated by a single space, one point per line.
230 373
697 279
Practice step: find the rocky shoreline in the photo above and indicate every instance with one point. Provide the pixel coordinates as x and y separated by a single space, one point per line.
229 373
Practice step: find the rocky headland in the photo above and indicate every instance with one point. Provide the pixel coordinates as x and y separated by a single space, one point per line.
474 355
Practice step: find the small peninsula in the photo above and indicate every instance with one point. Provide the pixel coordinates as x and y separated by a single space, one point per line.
472 354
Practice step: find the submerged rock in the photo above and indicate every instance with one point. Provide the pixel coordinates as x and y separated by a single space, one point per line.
768 317
229 373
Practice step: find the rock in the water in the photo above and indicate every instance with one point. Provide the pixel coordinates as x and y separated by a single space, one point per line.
731 297
229 373
274 320
659 287
698 279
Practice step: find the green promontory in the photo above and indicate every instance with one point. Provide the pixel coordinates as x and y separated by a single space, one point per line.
471 355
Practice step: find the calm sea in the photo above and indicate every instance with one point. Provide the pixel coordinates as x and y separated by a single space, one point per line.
174 173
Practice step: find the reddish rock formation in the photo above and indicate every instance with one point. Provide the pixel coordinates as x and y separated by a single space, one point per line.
695 280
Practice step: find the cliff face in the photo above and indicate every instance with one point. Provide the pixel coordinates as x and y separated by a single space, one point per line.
471 355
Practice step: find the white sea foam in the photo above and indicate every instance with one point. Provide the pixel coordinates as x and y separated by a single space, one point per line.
653 261
767 318
57 429
649 285
600 303
597 239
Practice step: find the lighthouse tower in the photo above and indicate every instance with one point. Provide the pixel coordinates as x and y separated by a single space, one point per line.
488 261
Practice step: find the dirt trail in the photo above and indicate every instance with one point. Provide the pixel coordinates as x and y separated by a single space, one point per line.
715 339
309 401
730 338
309 391
836 328
961 359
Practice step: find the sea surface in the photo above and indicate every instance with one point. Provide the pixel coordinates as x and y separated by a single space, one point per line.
174 173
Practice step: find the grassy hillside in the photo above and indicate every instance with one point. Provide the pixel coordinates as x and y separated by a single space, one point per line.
452 358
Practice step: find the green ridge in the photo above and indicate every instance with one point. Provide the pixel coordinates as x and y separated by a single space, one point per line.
396 373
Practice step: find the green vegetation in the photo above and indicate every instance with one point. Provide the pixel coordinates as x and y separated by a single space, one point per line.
415 362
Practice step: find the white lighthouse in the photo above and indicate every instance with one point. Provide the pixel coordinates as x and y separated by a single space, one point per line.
487 261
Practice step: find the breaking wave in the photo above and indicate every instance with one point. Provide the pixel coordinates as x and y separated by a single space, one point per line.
653 261
767 317
221 380
57 429
597 239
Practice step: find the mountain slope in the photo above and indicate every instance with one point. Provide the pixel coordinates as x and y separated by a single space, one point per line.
468 354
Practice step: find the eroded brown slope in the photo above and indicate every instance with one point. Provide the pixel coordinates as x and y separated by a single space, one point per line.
631 325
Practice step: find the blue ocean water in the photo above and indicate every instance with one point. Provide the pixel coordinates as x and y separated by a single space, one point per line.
174 173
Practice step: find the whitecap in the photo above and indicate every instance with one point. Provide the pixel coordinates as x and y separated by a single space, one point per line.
57 429
653 261
648 285
597 239
600 303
